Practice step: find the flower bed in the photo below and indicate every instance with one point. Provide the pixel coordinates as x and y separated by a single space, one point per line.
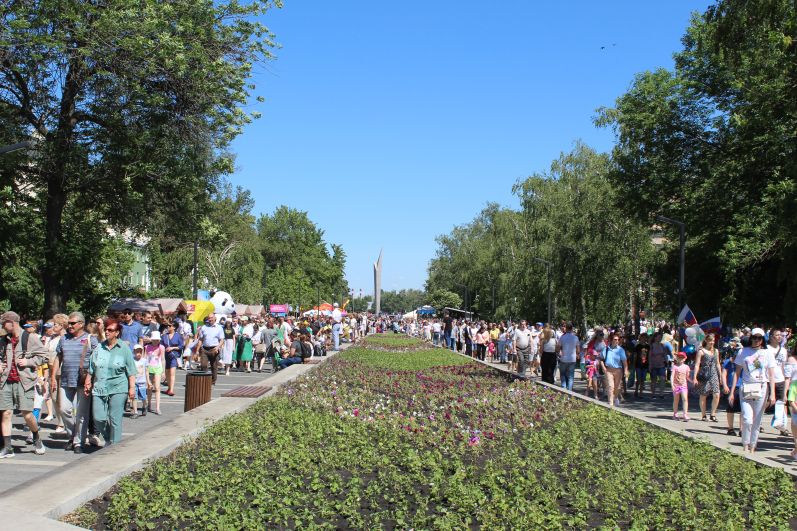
394 342
429 440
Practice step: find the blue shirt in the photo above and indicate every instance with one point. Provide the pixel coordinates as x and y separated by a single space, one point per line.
131 333
175 341
614 357
730 368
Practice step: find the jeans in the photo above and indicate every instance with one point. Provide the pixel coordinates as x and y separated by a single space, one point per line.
752 411
449 341
548 366
336 336
436 338
501 347
567 370
75 411
287 362
108 413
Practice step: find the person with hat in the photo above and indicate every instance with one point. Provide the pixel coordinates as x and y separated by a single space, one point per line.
155 353
680 387
22 354
755 366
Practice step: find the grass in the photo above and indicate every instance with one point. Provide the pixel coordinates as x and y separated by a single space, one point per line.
428 440
393 341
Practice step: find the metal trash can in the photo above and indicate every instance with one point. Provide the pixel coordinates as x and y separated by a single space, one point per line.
197 389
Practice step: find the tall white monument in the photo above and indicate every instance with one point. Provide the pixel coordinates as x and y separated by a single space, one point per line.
378 283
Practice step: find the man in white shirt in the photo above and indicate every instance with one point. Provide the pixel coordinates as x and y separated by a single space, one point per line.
522 341
568 356
211 336
337 316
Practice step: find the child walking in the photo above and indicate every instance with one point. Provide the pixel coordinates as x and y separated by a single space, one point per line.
678 381
155 354
141 381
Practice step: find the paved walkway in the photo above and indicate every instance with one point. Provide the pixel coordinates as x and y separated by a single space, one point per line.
773 448
26 465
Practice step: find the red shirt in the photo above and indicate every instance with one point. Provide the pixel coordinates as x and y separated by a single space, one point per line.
13 374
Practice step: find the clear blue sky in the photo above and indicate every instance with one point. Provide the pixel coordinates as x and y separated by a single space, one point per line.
390 123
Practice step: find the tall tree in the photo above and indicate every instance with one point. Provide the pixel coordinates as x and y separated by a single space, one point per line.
132 103
713 144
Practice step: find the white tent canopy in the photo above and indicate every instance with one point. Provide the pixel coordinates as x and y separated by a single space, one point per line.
411 315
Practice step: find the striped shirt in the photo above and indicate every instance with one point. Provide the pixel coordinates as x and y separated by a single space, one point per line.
70 349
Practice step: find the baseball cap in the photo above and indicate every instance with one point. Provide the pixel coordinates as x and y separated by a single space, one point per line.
757 332
138 347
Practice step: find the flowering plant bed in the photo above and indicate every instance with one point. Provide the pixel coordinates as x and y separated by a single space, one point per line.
394 342
429 440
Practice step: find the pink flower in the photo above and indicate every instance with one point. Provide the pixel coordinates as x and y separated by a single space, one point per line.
356 412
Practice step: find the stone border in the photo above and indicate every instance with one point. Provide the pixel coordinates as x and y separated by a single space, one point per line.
91 477
633 414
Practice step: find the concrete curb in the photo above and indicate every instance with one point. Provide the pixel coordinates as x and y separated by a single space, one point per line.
633 414
91 477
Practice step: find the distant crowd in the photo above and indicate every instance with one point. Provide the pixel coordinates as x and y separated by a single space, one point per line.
752 371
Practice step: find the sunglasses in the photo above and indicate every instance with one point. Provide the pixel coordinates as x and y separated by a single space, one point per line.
73 323
111 329
760 338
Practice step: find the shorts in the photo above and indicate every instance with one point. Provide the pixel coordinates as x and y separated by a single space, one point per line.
155 370
678 389
171 360
659 372
737 403
13 396
141 391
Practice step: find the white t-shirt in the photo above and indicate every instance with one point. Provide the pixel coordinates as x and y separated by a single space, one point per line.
779 363
522 338
753 372
337 315
568 344
436 327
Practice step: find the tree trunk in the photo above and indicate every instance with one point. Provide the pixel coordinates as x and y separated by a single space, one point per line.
55 292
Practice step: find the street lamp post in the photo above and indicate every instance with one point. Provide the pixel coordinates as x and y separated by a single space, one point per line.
467 295
548 271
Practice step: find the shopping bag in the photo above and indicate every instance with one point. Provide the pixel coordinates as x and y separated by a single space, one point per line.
779 419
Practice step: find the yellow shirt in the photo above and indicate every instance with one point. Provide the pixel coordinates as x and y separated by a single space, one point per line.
494 333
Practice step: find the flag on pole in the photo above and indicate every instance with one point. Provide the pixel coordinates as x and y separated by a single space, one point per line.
686 317
712 326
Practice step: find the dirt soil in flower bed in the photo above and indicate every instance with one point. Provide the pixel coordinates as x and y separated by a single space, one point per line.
428 439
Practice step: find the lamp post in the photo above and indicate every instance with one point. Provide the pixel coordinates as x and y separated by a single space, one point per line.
548 271
467 296
26 144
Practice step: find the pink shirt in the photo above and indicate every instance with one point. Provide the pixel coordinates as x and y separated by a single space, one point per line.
153 354
680 374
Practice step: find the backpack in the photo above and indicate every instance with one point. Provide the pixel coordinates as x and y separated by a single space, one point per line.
307 350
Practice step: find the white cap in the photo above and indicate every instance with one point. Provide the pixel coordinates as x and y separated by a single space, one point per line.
757 332
155 336
335 305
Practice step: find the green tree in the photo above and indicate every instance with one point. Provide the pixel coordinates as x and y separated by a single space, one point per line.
132 102
402 301
297 261
712 143
440 299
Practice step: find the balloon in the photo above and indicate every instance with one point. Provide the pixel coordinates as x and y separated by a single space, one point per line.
699 334
691 340
690 332
689 349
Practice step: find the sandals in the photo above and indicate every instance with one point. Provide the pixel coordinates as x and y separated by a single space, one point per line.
712 418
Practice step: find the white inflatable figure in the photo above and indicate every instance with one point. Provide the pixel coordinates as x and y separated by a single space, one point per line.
222 303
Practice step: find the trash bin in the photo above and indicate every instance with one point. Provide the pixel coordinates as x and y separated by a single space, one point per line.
197 389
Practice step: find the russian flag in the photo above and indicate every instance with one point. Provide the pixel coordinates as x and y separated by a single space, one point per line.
686 317
712 326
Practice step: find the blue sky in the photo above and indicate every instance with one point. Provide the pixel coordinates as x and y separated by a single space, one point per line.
390 123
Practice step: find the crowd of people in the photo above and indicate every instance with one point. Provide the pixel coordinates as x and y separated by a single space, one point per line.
87 375
752 370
